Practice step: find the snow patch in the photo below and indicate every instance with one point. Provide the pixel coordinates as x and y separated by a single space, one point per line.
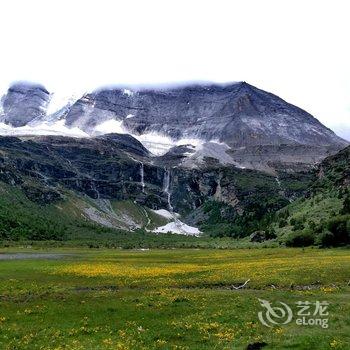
178 227
165 213
42 129
190 141
110 126
212 149
156 143
128 92
59 101
160 144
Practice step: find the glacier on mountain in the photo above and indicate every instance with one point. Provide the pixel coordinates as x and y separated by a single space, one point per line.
57 128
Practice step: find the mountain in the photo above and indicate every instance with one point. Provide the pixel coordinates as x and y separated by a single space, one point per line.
112 181
238 114
24 103
95 176
216 159
237 123
260 129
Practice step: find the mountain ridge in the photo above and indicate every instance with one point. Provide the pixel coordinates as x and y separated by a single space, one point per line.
113 181
250 122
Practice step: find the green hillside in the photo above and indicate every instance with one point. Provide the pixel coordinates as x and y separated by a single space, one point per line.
323 217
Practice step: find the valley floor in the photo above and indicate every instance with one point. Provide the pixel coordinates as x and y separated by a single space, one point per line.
172 299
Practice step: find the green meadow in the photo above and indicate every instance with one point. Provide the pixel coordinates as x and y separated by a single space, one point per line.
108 299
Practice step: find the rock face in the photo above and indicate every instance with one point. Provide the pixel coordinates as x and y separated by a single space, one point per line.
219 138
117 167
239 114
24 103
102 169
127 143
236 124
262 131
93 109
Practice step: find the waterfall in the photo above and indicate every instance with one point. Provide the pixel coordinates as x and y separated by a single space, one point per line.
166 188
176 225
142 175
278 182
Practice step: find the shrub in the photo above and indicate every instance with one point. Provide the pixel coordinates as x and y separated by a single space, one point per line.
282 223
223 230
298 224
346 205
312 226
283 214
325 239
300 239
270 234
340 228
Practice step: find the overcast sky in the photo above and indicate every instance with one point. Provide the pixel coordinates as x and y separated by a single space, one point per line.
298 50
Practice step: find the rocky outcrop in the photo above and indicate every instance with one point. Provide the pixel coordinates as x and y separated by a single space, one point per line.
126 143
261 236
41 195
23 103
106 168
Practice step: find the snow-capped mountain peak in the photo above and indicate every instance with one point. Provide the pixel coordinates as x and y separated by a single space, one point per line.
247 120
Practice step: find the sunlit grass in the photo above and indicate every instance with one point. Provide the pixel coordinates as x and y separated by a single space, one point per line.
170 299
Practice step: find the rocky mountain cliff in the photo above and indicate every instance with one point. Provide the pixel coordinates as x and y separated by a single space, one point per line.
24 103
112 168
238 123
214 142
238 114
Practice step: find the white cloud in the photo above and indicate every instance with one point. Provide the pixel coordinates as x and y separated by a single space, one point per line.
296 49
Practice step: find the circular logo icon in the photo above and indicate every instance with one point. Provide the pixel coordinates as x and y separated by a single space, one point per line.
274 315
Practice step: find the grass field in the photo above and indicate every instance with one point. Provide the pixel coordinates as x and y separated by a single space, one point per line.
171 299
